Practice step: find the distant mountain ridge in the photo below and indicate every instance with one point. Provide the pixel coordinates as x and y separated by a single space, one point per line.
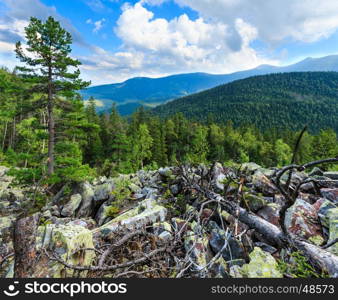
279 100
134 92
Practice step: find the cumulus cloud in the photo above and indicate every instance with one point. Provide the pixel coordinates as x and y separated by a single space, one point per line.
275 20
156 46
97 24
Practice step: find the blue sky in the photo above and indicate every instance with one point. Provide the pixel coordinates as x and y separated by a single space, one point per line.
116 39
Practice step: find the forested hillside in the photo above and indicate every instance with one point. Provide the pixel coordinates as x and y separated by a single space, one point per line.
132 93
89 144
286 100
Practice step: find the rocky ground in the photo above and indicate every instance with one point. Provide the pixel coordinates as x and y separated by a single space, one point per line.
203 221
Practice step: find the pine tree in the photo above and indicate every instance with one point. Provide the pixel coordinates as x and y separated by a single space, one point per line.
47 68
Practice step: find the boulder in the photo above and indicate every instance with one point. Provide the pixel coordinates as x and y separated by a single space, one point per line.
331 175
316 172
301 220
250 167
71 206
6 246
263 185
261 265
101 215
64 240
145 213
270 213
265 247
219 239
103 192
330 194
87 194
333 229
197 248
163 230
254 202
218 176
323 211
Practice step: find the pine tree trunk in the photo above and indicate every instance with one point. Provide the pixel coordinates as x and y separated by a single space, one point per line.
25 232
51 126
4 136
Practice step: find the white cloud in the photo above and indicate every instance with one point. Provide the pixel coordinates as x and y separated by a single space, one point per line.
275 20
16 18
156 46
97 24
153 2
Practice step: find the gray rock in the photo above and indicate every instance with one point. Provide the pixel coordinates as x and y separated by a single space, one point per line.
72 205
330 194
323 211
145 213
255 202
103 192
331 175
233 248
101 217
266 247
87 194
316 172
250 167
262 265
301 220
175 189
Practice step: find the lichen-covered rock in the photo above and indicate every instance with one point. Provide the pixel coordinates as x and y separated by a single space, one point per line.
330 194
101 216
232 248
163 230
87 194
71 206
254 202
165 172
250 167
263 185
197 247
103 192
147 212
323 211
301 220
65 241
6 245
261 265
333 229
270 213
219 269
218 176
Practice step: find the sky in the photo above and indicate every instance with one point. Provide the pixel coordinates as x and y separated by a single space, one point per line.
116 40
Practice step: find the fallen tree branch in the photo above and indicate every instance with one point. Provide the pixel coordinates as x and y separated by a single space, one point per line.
106 268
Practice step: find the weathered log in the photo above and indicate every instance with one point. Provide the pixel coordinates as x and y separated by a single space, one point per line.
25 232
270 232
322 258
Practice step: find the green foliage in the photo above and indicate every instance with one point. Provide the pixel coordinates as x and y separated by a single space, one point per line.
121 190
112 211
298 267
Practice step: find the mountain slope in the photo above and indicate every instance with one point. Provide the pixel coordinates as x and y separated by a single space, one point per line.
155 91
285 100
